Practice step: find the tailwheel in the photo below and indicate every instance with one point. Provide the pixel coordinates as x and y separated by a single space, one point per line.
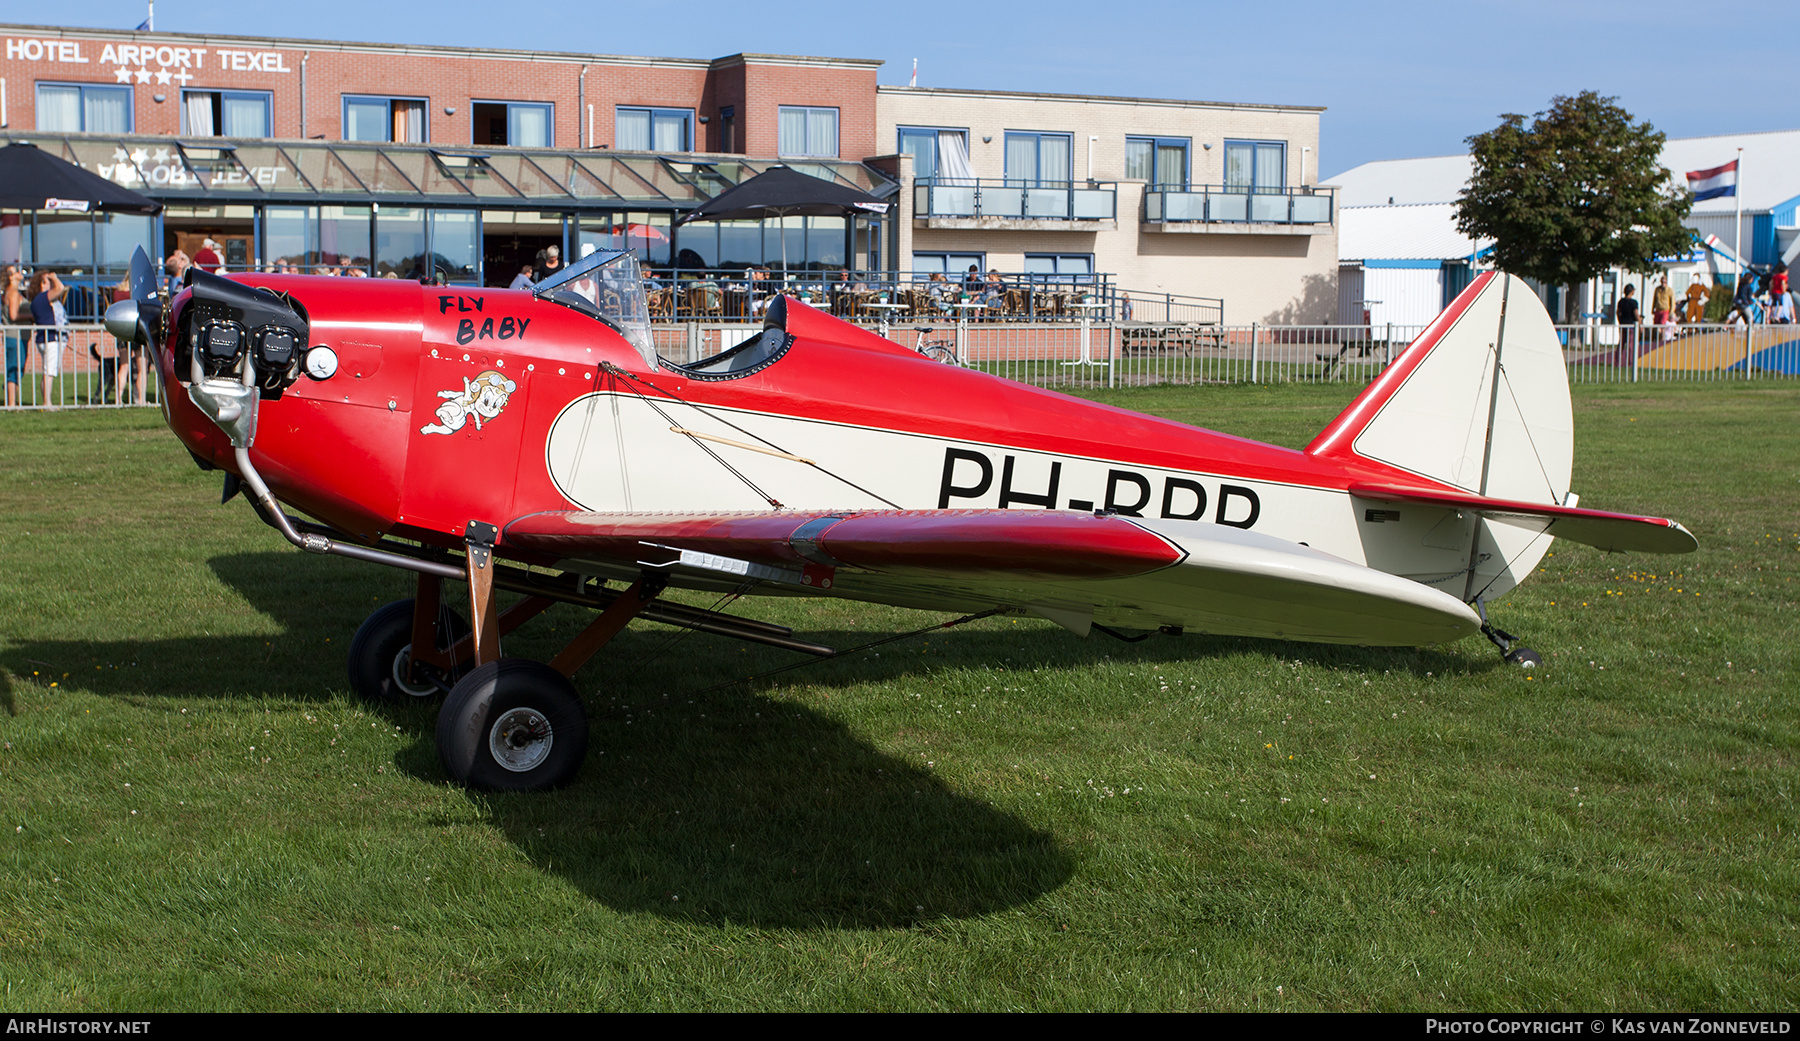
513 725
1511 651
381 664
1523 657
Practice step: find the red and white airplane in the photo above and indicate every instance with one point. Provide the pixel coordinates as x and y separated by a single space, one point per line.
460 433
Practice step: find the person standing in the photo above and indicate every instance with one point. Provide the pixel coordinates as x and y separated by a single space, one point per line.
10 308
176 269
207 257
1628 321
1662 302
552 262
47 293
1696 301
1744 297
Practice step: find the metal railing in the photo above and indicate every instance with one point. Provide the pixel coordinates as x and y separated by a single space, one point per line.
1239 204
720 294
93 370
73 366
1014 199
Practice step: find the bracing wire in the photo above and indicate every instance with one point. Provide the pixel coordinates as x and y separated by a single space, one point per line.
634 378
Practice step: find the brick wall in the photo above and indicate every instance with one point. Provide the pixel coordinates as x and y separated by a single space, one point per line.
449 80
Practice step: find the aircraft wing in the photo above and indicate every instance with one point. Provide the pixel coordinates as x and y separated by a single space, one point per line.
1073 568
1613 532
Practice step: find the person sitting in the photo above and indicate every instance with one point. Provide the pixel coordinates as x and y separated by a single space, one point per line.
523 279
940 292
757 289
993 292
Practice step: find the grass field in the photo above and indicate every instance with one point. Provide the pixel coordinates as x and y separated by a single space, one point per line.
195 814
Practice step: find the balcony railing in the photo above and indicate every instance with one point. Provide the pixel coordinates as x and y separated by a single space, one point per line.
1238 204
1015 199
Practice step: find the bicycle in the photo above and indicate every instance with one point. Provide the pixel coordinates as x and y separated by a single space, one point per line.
937 350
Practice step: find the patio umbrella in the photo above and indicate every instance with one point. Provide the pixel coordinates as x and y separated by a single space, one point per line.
33 179
647 232
782 191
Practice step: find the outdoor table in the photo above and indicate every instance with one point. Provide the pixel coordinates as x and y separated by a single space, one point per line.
1087 309
963 309
886 311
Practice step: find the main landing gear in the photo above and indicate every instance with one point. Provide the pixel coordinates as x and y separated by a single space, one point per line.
1511 651
509 724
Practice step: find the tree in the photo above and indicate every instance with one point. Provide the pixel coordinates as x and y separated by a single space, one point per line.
1577 192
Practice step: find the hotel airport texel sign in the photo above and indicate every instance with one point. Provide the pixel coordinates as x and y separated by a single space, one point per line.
150 63
143 62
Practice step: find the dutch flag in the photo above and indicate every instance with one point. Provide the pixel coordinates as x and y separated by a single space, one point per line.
1715 183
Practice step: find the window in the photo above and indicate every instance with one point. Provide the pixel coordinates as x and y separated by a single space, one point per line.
653 129
728 128
518 124
400 120
84 108
808 131
936 151
1255 167
1159 161
1035 159
225 113
1059 267
952 266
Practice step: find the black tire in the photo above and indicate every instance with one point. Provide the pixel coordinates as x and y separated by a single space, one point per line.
513 725
940 354
380 654
1524 658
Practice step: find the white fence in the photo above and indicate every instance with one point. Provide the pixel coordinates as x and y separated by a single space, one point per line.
93 371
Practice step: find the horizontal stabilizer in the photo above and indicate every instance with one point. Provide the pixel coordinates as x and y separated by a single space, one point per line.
1613 532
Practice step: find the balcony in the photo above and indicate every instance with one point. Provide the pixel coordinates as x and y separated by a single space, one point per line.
1237 209
970 202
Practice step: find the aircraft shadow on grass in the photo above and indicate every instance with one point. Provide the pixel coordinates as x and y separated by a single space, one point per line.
718 805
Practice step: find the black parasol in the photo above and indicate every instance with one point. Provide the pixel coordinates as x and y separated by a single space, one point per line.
782 191
33 179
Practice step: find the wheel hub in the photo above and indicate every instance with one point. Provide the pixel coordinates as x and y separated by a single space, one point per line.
521 739
403 676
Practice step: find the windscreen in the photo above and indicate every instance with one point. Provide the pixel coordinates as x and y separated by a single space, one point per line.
607 285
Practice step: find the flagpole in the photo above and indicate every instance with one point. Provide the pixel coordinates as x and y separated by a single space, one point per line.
1737 220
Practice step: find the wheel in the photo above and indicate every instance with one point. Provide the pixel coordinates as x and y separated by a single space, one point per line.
1524 658
513 725
936 353
381 653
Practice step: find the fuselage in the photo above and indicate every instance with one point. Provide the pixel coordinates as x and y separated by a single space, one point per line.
453 405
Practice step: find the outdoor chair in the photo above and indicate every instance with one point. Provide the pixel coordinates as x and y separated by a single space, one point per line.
705 299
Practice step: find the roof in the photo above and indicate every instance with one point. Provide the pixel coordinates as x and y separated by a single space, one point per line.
266 170
1770 172
49 32
1097 99
1421 231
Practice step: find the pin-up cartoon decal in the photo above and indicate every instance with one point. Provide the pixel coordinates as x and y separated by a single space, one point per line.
481 398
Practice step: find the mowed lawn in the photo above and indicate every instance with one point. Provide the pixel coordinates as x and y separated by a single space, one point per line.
196 814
